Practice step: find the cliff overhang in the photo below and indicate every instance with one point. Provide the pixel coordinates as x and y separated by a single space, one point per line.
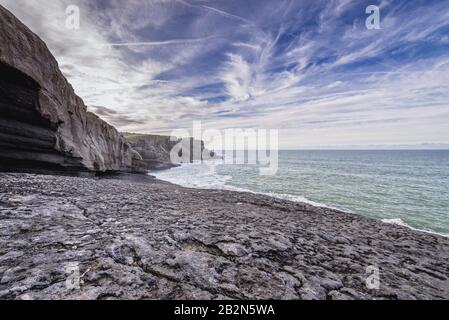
43 123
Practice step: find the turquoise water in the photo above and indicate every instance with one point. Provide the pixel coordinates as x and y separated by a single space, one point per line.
405 187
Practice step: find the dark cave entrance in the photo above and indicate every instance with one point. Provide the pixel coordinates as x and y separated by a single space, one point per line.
27 140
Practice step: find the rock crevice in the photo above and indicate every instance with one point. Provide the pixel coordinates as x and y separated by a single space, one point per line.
153 240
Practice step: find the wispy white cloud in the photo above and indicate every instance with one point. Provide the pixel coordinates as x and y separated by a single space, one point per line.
155 43
309 68
225 14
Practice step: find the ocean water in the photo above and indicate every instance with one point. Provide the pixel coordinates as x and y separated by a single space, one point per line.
405 187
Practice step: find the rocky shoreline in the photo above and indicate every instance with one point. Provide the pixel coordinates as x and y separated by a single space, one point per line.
135 237
92 235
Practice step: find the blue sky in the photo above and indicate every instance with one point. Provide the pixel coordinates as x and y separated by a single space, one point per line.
308 68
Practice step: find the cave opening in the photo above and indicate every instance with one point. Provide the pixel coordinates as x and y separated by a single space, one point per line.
27 140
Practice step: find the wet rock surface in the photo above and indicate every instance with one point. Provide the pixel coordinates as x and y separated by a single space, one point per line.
148 239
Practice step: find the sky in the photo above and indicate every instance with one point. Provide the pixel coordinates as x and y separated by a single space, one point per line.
308 68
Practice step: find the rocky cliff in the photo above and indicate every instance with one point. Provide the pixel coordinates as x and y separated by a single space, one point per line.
155 150
43 123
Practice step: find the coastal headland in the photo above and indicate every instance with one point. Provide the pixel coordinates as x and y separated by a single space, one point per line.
100 231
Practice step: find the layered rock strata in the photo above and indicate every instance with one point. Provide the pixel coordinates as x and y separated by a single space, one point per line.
155 150
43 123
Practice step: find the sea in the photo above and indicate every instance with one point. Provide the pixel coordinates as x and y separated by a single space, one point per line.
405 187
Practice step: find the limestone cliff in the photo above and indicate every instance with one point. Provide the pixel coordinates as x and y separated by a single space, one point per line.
155 150
43 123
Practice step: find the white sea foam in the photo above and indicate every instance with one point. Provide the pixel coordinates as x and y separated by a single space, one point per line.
202 175
400 222
194 175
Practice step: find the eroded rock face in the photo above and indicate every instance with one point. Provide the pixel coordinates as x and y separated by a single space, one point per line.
43 123
155 150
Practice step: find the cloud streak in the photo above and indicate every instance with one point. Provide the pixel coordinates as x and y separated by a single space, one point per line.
309 68
155 43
